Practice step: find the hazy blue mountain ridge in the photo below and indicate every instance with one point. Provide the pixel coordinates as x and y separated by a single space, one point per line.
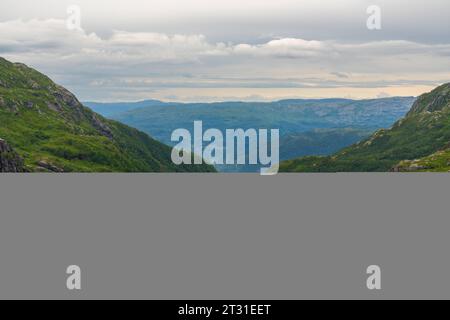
307 127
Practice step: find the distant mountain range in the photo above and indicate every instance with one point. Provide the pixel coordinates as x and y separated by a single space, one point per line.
418 142
43 127
288 115
307 127
110 109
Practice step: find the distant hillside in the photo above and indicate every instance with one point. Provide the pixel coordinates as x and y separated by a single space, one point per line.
291 116
418 142
50 130
307 127
317 142
320 141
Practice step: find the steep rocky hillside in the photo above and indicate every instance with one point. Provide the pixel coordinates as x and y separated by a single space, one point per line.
52 131
418 142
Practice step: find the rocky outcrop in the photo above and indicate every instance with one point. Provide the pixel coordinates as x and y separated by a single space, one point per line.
409 166
9 160
101 126
48 167
437 162
436 100
77 110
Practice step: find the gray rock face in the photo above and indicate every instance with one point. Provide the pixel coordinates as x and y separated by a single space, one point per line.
102 127
65 97
49 167
9 160
436 100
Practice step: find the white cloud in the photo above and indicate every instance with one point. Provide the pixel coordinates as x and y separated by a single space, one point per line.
285 48
130 62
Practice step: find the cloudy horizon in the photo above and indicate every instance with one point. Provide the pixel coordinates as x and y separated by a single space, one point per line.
213 50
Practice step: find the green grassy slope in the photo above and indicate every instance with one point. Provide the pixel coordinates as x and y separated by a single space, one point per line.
47 126
423 132
437 162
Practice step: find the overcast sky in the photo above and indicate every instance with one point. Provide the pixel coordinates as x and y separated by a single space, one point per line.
215 50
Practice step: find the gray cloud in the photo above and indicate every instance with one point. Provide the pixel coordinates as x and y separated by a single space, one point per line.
138 64
251 20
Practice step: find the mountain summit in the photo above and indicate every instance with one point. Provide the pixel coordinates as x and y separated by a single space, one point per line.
418 142
436 100
51 130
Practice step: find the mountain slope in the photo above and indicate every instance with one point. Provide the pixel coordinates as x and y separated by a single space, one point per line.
437 162
423 132
319 141
51 131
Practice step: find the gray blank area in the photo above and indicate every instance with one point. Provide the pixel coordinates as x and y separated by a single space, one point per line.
225 236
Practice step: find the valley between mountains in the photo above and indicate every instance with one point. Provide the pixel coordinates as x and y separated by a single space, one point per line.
44 128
